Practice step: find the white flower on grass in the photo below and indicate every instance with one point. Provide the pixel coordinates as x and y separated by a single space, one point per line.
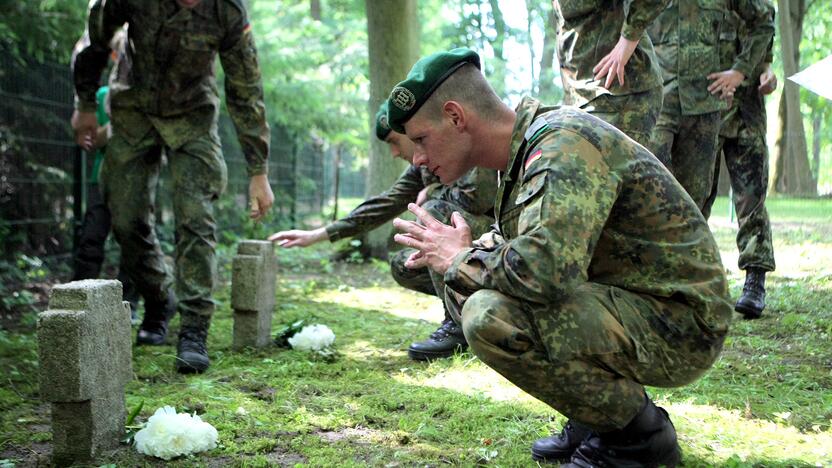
168 434
312 338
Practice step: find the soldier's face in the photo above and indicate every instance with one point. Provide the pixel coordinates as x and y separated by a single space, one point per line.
400 146
439 146
188 3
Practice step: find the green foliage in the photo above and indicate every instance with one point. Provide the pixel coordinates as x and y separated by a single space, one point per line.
41 29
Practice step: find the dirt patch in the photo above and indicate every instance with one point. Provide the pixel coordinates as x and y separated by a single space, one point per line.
282 458
358 434
35 455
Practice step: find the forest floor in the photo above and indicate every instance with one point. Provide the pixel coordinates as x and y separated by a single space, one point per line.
766 402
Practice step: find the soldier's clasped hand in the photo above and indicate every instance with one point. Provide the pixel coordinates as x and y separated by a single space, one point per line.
436 243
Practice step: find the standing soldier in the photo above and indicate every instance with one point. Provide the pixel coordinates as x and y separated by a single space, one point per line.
472 196
742 139
600 275
163 96
686 39
588 29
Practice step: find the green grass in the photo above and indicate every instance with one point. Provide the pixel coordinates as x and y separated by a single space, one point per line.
767 401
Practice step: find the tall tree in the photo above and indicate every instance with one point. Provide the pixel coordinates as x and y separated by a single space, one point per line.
790 161
393 47
547 89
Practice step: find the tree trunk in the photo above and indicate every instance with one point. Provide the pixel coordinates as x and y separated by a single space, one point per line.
817 122
315 9
546 74
791 173
393 37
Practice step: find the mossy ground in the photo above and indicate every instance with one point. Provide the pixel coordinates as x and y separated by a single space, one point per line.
767 401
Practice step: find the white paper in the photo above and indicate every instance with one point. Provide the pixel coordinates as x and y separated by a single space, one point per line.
817 78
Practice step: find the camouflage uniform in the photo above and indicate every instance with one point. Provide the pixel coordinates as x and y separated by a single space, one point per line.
602 275
686 38
585 36
472 196
164 97
742 139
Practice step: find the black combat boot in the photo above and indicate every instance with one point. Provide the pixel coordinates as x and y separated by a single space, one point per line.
560 447
649 440
444 342
753 299
191 352
154 327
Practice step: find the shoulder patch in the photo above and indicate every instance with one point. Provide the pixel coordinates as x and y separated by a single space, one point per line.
530 159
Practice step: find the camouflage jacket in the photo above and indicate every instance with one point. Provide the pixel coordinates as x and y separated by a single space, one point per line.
165 78
589 29
581 202
472 193
686 39
729 47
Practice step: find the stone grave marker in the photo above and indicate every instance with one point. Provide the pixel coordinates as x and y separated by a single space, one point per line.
85 354
254 272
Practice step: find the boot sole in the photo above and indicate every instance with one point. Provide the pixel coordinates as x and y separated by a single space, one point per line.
748 312
536 456
431 355
183 368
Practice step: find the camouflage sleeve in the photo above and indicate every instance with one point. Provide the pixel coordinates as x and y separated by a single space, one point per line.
244 90
377 210
638 15
563 204
759 23
474 192
91 51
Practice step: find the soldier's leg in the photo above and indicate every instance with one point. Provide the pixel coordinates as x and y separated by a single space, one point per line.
199 178
748 168
664 134
590 356
694 155
129 175
417 279
709 202
634 114
448 338
94 231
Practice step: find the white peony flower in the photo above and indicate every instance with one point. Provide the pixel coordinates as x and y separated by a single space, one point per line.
312 338
168 434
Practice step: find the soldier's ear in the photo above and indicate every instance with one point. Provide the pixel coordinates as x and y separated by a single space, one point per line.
456 113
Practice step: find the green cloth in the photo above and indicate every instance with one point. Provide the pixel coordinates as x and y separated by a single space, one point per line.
426 75
382 127
103 119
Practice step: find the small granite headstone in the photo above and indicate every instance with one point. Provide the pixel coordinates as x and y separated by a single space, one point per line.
85 354
253 277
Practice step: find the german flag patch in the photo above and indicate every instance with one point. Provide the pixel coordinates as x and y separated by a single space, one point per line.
247 28
532 158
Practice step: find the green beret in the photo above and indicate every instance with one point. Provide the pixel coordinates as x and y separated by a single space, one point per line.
425 76
382 128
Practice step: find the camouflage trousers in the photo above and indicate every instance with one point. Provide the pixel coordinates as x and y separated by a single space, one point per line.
633 114
130 173
590 356
687 146
425 280
746 158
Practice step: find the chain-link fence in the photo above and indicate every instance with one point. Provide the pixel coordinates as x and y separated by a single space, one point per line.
44 175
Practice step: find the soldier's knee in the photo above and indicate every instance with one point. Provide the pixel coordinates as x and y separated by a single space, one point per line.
479 322
401 274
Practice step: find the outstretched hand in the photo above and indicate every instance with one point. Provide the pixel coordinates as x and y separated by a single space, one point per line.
613 64
436 243
298 238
